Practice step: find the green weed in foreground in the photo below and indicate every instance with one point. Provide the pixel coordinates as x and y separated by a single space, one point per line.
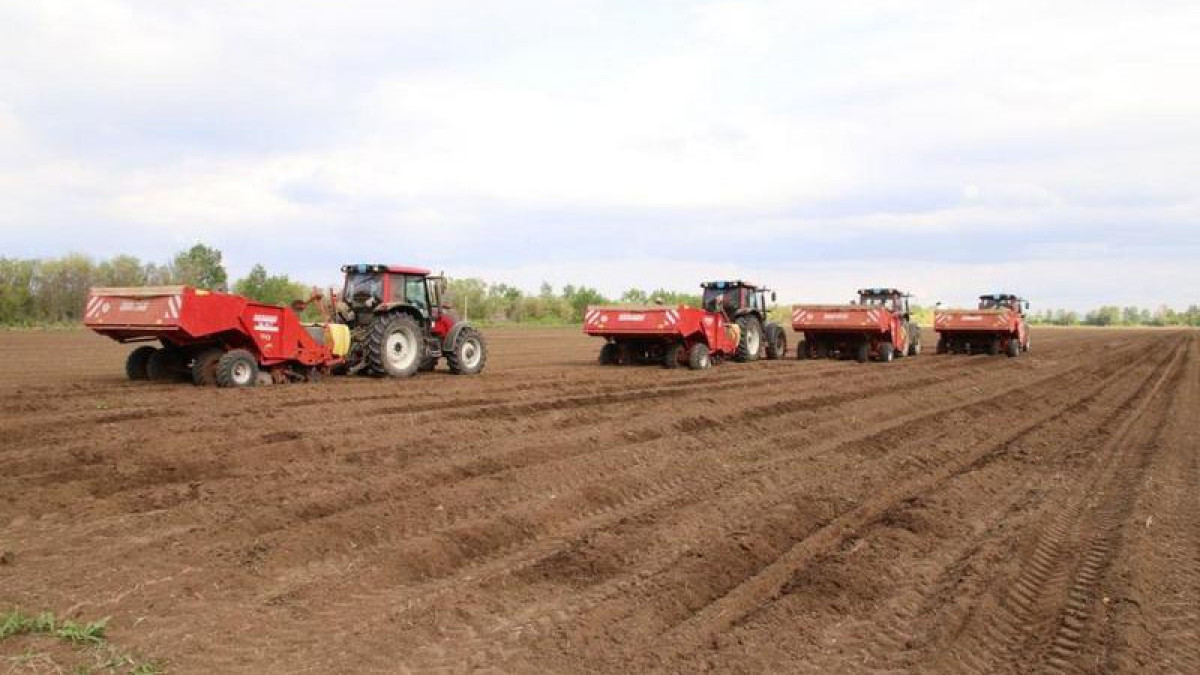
92 634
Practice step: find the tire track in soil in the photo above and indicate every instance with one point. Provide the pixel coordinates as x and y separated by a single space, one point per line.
756 591
887 638
1046 613
921 599
766 486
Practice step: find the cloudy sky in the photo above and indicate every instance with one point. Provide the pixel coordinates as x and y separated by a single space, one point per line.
952 148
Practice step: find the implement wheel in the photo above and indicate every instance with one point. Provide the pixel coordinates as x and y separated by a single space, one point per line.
395 346
1014 347
673 355
608 354
165 364
237 368
862 353
993 347
469 353
204 368
135 363
698 357
887 352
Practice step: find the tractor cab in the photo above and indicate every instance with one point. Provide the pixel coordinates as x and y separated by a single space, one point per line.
888 298
736 298
374 289
1003 301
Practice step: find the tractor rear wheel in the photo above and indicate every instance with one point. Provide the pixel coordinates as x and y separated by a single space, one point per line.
395 346
887 352
469 353
672 354
752 339
862 352
1014 347
237 368
204 367
135 363
776 341
698 358
608 354
165 364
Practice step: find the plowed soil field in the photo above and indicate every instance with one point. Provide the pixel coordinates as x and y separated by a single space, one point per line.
938 514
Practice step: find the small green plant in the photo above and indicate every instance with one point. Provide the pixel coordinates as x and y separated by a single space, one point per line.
91 634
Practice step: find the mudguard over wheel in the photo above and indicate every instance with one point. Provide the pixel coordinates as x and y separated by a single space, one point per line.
698 357
237 368
752 338
135 363
395 346
776 341
469 354
204 367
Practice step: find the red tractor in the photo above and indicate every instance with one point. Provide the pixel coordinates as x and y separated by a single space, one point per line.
400 322
879 325
997 326
732 323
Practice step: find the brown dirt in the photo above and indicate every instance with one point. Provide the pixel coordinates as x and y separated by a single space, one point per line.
938 514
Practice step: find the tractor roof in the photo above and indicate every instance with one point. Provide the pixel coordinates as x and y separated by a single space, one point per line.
363 268
1000 296
731 284
880 291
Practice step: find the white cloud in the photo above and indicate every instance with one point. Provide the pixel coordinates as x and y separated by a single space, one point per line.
458 130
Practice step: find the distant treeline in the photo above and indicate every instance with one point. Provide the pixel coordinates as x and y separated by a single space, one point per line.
1111 315
53 291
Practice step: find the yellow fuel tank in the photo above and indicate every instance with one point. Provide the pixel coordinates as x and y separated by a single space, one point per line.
337 336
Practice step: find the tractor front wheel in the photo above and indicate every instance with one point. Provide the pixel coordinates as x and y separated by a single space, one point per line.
237 368
752 339
469 353
135 363
698 357
395 346
776 341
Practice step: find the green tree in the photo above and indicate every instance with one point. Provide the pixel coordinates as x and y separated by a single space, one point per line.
272 290
199 266
635 296
123 270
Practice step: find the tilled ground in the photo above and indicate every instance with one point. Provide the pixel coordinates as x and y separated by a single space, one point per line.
938 514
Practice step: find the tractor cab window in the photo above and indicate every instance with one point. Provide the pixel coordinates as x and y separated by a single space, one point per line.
756 300
874 300
718 299
988 303
414 290
363 288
